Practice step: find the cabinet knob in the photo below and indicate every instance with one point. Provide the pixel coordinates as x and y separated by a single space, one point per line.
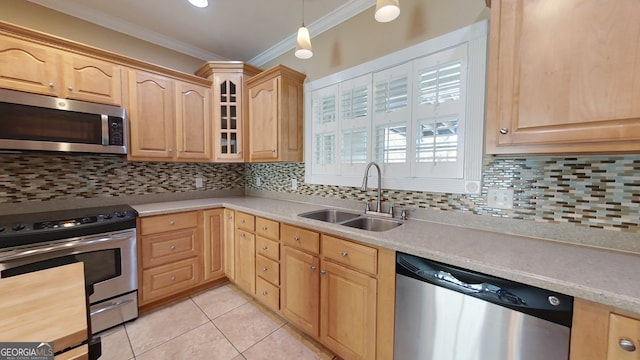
504 131
170 150
264 269
173 278
264 228
242 221
230 217
264 293
51 85
313 268
173 247
344 254
242 235
627 345
180 150
296 238
322 272
264 248
171 222
70 88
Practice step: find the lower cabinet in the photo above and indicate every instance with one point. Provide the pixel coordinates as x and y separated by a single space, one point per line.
229 234
178 252
600 332
245 258
301 289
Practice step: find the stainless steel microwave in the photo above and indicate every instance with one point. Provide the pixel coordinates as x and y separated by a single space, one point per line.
39 122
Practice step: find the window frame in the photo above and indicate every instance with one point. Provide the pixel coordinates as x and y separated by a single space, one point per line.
475 36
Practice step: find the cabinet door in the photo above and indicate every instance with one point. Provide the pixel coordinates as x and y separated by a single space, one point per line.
161 281
213 244
624 338
228 117
246 261
151 112
263 120
29 67
193 122
229 244
92 80
300 284
559 83
348 313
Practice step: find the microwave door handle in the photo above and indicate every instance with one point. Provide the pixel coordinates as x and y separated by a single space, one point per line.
105 129
62 246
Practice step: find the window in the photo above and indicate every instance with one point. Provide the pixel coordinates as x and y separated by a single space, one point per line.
418 113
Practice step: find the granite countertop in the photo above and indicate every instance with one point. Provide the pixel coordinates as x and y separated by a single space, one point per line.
601 275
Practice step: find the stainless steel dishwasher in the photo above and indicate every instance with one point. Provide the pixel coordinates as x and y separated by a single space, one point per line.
447 313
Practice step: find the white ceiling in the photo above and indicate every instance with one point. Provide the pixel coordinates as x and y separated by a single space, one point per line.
255 31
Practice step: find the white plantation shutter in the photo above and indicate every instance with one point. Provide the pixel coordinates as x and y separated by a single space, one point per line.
418 113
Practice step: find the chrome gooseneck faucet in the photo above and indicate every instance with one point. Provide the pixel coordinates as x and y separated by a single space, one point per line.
364 184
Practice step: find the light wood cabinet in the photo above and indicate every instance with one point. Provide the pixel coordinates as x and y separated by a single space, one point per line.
214 246
229 107
229 244
275 115
245 254
601 332
31 67
301 289
170 255
169 119
559 83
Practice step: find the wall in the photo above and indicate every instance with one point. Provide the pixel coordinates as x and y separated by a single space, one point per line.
36 17
361 38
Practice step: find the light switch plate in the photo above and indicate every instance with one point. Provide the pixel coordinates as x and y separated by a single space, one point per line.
294 184
199 182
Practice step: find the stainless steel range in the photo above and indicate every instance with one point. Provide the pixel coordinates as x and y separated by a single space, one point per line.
103 238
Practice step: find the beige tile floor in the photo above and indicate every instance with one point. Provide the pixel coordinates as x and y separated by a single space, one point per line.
219 324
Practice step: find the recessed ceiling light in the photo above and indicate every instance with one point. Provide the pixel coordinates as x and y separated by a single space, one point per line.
199 3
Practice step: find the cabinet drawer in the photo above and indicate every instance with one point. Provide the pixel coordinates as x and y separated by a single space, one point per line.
268 294
268 228
358 256
268 269
169 247
302 239
268 248
623 328
164 280
245 221
169 222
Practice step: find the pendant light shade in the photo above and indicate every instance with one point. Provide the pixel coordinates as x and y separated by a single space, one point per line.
303 44
387 10
303 41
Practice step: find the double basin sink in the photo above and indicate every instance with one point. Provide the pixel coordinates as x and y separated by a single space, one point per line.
351 219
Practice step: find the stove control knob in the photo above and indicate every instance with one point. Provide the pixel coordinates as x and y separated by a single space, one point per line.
19 227
121 214
85 220
107 216
2 228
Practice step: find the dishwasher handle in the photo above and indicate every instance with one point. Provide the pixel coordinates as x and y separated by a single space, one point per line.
479 288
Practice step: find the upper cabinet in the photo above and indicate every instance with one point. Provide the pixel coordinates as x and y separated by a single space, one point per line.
229 107
31 67
275 115
563 76
170 120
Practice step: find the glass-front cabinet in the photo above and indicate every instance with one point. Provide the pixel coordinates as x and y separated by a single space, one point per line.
229 106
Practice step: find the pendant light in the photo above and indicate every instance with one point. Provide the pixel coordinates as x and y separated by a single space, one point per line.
387 10
303 41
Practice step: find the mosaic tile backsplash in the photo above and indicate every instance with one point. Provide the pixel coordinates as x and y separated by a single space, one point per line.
42 177
595 191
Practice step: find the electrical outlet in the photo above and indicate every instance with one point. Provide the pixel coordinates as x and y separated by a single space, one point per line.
500 198
258 181
294 184
199 182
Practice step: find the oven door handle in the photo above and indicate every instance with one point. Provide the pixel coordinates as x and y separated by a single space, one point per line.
62 246
111 306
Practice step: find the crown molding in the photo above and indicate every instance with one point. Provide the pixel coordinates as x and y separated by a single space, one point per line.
128 28
334 18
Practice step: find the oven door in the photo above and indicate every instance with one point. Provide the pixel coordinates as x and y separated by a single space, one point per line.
109 259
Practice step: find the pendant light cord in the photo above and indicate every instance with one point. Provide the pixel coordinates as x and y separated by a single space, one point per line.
302 12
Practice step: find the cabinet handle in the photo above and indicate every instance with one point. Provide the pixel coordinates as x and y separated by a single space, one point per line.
70 88
627 345
264 228
273 150
173 247
170 150
242 221
504 131
51 85
172 222
296 238
344 254
313 268
322 272
241 235
173 278
264 293
264 248
264 269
